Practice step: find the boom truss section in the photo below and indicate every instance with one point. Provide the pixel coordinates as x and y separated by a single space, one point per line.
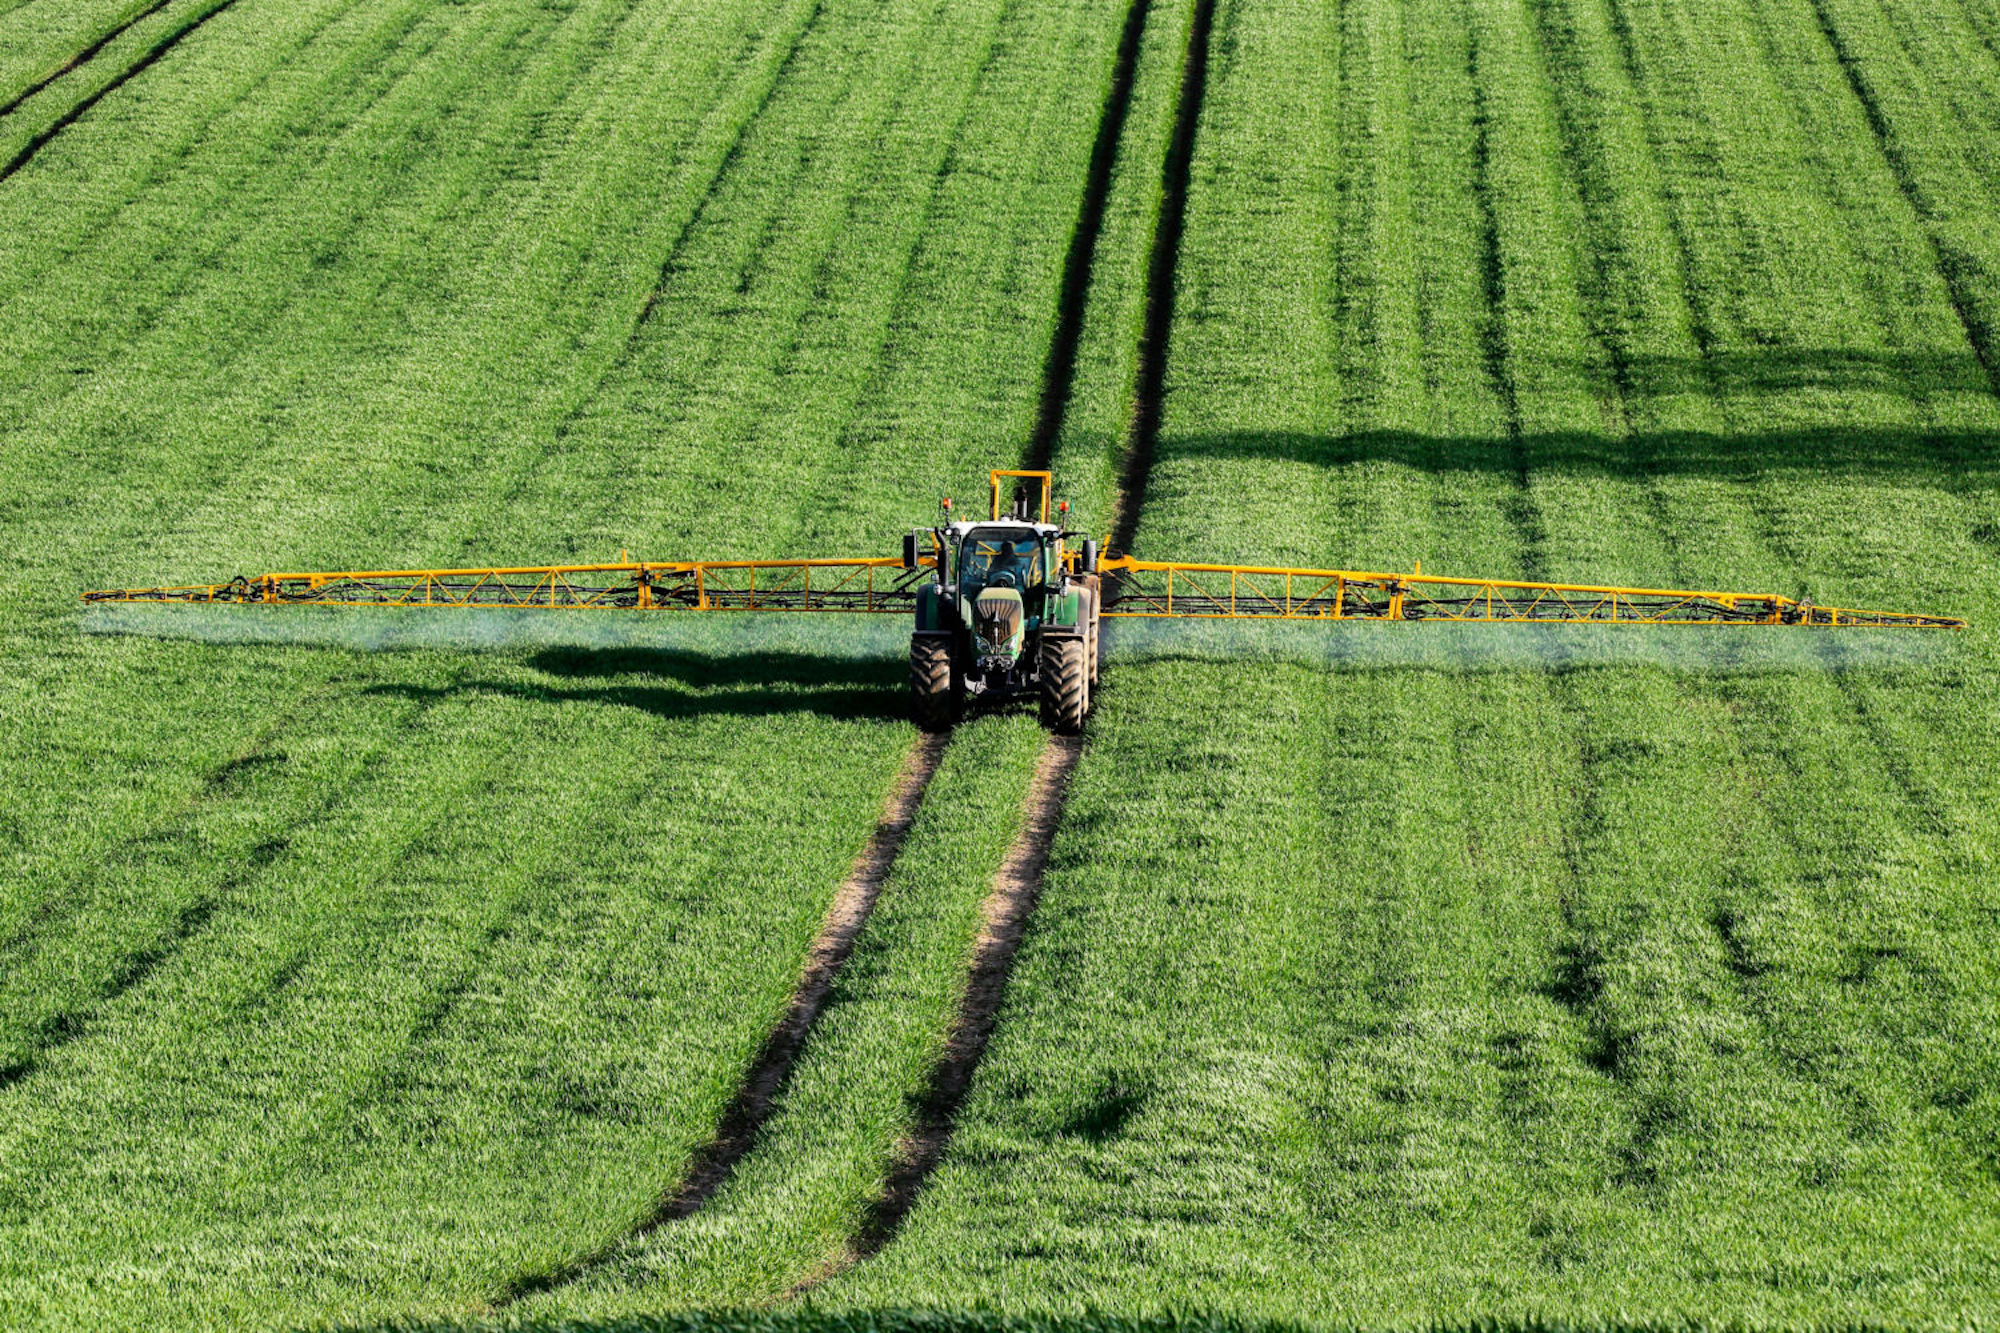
865 586
1134 587
1131 588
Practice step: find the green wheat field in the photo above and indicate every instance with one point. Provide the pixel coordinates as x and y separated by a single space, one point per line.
372 970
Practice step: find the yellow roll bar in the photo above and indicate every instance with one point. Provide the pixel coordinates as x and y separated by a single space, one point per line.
1046 478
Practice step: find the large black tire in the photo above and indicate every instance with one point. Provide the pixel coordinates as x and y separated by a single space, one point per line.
1087 621
1065 678
934 695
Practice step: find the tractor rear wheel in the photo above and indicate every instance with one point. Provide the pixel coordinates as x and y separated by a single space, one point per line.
1089 608
933 693
1065 678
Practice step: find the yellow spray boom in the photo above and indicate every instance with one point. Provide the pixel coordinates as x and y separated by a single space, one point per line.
1004 604
1132 587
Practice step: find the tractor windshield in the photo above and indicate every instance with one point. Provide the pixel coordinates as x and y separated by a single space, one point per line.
1001 560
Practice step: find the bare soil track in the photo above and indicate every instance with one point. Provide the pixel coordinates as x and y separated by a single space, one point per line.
736 1131
1003 920
1017 887
1006 911
830 949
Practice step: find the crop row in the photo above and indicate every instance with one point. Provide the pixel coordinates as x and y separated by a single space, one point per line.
1654 979
45 40
349 985
1490 985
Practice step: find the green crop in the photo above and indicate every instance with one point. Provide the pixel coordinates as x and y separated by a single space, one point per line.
336 984
396 967
1386 993
797 1201
42 40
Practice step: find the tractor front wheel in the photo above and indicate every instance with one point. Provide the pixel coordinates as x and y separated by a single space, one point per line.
934 694
1065 676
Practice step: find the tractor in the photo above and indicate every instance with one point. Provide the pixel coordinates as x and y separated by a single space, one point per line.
1009 610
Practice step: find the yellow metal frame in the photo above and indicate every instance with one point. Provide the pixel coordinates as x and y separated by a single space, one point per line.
1131 587
993 480
859 585
1154 588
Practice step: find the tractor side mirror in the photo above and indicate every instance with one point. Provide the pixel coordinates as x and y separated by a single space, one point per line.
909 550
1087 562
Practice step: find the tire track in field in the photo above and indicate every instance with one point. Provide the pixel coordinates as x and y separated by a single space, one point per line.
845 917
729 159
1017 886
1162 286
152 56
1059 371
1573 969
1949 263
72 1022
1732 959
1005 913
1896 767
1583 964
82 57
1606 269
1004 916
692 224
1705 339
771 1068
257 750
1493 343
1700 325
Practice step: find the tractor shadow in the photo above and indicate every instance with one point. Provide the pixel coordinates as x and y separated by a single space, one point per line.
692 685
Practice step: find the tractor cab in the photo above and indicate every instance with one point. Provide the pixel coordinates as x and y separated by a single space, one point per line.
1008 599
1003 576
1000 556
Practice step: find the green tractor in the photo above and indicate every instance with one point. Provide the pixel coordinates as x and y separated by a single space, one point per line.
1012 609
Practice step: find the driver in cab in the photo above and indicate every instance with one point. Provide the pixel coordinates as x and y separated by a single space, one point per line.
1012 563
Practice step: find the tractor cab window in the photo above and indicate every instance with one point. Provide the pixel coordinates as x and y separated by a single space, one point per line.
1002 560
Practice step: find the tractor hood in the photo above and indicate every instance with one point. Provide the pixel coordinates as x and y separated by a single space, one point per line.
998 617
